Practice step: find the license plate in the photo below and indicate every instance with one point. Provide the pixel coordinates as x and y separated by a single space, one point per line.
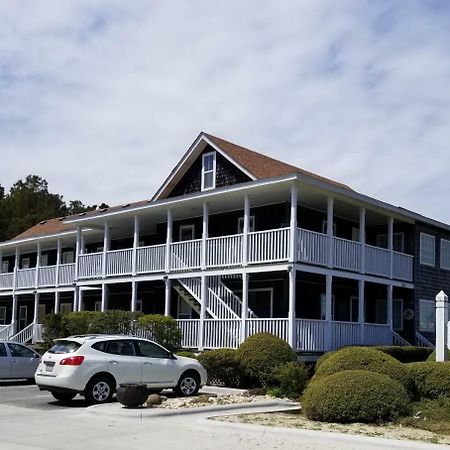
49 367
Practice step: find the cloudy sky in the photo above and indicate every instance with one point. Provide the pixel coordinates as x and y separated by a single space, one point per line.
102 98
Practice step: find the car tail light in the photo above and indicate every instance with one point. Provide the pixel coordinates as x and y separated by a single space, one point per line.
72 361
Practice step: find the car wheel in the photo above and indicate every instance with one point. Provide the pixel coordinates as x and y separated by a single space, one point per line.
99 390
63 397
188 384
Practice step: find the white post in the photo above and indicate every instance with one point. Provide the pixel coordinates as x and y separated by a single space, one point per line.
390 322
292 338
16 267
362 238
56 310
203 305
361 310
441 326
391 246
204 234
330 206
293 225
167 299
244 311
76 298
1 260
135 247
35 315
38 264
106 243
14 312
78 251
133 295
168 238
329 344
58 261
246 230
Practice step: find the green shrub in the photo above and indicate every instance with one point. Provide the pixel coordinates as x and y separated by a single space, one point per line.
432 356
355 396
406 354
261 353
363 358
186 354
291 378
322 359
163 329
222 366
79 322
113 322
431 378
53 329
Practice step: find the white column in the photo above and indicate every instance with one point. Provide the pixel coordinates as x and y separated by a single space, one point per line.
38 264
135 247
168 238
246 230
76 298
361 310
330 206
35 315
167 298
104 297
292 338
78 251
362 238
441 326
1 260
204 234
244 311
56 310
106 243
133 295
58 261
16 267
14 312
391 246
203 305
329 344
293 225
389 305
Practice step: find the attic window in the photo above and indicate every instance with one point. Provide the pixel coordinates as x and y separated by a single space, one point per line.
209 171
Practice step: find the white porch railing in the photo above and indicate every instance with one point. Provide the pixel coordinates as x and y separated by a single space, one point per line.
224 251
90 265
344 333
26 278
25 335
278 327
346 254
377 334
119 262
66 274
185 255
377 261
311 335
6 331
422 341
6 280
268 245
151 259
403 266
222 333
47 275
312 247
189 329
398 340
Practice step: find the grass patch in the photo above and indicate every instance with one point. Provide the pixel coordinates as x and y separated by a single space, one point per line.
430 415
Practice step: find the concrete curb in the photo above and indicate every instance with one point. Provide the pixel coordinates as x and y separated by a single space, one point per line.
117 410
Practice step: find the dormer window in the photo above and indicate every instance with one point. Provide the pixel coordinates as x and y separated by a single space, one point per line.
209 171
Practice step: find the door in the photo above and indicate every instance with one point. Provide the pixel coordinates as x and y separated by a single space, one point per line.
122 361
159 369
23 313
2 315
187 232
24 361
41 313
5 362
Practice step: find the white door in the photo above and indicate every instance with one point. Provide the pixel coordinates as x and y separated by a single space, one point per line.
187 232
23 312
41 313
122 361
2 315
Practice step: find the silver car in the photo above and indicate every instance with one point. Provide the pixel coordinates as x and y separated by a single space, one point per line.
17 361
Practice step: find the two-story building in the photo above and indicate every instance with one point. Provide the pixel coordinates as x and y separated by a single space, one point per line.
234 243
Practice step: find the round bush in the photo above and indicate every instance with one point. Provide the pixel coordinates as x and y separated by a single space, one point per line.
432 356
291 379
322 359
261 353
222 366
186 354
355 396
363 358
431 379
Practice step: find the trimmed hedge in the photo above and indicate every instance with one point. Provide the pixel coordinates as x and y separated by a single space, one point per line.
431 379
432 356
261 353
186 354
222 366
163 329
322 359
355 396
291 379
406 354
363 358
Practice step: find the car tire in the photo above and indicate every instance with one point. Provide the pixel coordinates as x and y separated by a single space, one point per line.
188 384
63 397
99 390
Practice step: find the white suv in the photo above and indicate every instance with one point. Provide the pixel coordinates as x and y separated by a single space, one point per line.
95 365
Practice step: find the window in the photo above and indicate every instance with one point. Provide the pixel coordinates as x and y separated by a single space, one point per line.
209 171
97 306
44 260
397 314
184 309
122 348
5 266
2 315
139 305
427 249
25 263
187 232
65 308
427 316
68 257
251 225
325 226
41 313
381 311
63 346
2 351
397 243
19 351
150 350
445 254
345 309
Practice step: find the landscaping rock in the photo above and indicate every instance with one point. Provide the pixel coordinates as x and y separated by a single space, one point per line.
154 399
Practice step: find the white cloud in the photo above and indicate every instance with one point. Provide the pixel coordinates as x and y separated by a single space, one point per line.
102 98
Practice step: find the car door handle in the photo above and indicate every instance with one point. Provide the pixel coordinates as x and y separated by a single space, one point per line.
147 364
113 362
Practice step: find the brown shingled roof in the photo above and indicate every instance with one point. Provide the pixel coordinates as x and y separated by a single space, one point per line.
46 228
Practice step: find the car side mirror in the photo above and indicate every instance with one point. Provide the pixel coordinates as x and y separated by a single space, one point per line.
172 356
35 355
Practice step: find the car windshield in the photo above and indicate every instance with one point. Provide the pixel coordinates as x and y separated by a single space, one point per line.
65 347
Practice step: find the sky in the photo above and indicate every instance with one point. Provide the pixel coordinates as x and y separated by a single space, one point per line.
102 98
